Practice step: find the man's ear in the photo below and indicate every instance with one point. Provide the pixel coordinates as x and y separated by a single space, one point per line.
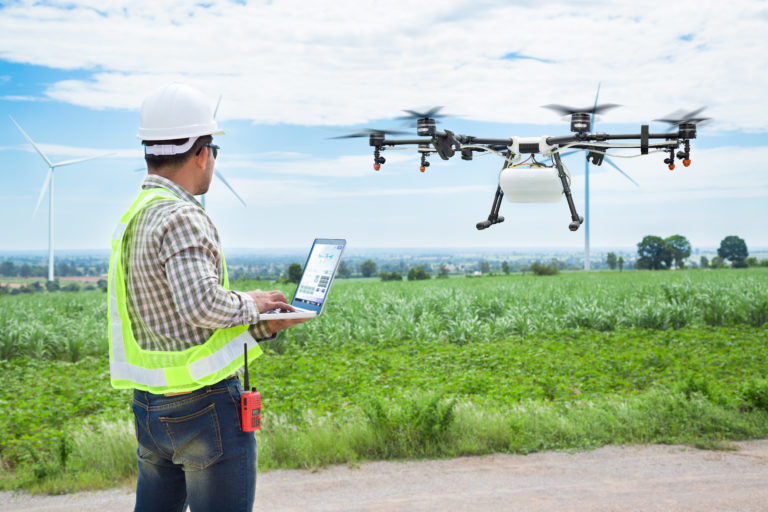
201 157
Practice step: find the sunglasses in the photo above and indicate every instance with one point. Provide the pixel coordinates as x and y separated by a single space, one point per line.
214 147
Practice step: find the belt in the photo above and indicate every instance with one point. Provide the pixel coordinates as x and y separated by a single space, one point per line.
233 376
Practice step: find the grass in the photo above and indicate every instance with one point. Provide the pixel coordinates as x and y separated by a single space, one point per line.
570 390
439 368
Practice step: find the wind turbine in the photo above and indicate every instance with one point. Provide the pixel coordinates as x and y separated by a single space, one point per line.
595 108
49 182
216 171
587 265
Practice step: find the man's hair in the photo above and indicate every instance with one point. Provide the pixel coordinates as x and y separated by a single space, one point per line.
170 163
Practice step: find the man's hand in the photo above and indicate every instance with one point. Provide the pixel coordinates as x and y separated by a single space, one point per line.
279 325
267 301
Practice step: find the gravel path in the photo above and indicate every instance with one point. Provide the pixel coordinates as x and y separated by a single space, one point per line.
638 478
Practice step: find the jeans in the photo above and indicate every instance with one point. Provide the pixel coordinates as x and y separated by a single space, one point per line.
192 451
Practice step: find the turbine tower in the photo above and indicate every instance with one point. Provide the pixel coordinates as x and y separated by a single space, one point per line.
587 265
49 182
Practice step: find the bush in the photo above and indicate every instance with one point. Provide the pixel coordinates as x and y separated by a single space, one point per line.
541 269
417 273
754 394
391 276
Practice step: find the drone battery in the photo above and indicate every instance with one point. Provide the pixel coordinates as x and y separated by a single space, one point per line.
531 184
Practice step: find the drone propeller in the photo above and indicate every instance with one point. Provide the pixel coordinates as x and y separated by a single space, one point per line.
567 111
367 132
414 115
679 117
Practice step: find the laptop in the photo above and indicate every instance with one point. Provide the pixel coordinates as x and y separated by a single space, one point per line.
315 282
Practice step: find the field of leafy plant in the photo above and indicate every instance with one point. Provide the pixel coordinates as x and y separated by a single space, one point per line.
415 369
459 310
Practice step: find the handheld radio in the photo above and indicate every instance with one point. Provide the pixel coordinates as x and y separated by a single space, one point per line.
250 402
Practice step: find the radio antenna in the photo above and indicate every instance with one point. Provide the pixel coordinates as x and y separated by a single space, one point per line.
245 360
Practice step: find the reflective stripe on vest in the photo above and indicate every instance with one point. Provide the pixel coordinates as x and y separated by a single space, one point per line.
159 371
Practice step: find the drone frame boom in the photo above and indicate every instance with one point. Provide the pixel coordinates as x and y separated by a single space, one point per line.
446 144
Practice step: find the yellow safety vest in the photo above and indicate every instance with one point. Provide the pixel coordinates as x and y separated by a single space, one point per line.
159 371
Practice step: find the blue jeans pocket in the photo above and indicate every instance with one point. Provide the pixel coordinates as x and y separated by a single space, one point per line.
196 438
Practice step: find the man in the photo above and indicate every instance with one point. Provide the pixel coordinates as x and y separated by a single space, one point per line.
176 330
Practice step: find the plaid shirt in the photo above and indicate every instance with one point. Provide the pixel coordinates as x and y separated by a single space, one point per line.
174 272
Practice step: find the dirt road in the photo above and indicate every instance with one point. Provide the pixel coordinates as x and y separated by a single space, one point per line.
643 478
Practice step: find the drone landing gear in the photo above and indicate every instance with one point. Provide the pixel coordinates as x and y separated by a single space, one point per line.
494 217
576 219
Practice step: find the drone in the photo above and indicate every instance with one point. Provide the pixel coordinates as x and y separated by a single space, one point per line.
528 180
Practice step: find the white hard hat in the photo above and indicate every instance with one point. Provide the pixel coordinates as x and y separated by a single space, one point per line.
176 111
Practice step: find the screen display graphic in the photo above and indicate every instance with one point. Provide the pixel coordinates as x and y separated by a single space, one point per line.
318 274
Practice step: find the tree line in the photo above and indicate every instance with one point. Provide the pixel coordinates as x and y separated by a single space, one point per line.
656 253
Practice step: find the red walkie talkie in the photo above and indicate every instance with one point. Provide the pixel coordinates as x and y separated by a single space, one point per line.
250 402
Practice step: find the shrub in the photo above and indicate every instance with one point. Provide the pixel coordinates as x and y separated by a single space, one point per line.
541 269
417 273
391 276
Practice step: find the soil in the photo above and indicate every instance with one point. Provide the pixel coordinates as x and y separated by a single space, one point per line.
635 478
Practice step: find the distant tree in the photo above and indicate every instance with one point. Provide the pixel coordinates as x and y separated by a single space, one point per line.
679 248
717 262
485 267
368 268
621 263
8 269
417 273
751 261
443 273
733 249
704 262
541 269
391 276
344 271
653 253
505 267
610 260
25 270
294 273
71 287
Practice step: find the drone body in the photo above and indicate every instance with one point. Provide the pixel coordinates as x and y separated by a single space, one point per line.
521 181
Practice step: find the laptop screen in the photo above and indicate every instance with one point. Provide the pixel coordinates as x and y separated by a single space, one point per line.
321 265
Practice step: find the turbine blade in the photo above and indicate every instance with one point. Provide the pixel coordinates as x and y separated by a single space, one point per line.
78 160
221 177
622 172
592 117
216 110
42 190
39 151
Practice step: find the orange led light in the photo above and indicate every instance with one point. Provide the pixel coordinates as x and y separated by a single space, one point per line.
422 168
686 162
671 167
376 167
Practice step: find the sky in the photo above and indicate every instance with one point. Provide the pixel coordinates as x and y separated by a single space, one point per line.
294 74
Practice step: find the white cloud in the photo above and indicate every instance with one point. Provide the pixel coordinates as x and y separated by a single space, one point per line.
17 97
349 62
725 172
54 150
345 166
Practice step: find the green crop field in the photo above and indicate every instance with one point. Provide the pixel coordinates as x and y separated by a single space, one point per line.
421 369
